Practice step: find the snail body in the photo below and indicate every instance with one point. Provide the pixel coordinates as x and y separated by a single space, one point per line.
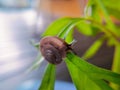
53 49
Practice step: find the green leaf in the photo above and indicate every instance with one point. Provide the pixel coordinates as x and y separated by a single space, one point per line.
49 78
56 26
116 65
76 75
63 28
69 36
105 12
114 12
93 48
94 10
113 9
86 28
107 18
116 61
109 3
95 14
83 81
93 71
67 33
102 84
110 42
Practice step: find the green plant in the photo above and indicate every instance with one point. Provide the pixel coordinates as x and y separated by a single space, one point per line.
88 76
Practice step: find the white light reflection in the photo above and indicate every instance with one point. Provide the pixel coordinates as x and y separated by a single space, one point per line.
9 48
10 67
8 51
40 22
29 17
4 22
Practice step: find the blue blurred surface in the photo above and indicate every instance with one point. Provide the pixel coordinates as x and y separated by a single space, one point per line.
16 52
34 84
19 25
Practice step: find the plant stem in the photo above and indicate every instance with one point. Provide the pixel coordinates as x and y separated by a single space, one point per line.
104 29
109 22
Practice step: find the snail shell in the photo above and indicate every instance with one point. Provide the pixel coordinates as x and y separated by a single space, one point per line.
53 49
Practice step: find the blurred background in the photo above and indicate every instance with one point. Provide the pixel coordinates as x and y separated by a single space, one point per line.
24 20
20 22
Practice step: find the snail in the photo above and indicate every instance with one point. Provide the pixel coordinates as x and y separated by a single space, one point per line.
53 49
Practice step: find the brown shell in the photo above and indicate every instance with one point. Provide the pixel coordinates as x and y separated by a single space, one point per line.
53 49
